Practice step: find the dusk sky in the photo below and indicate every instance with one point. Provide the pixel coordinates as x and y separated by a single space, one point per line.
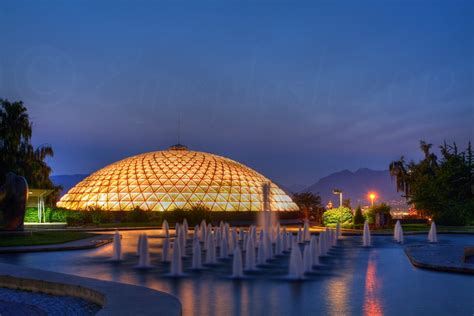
294 89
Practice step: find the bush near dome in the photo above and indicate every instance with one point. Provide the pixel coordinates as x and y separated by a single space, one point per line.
138 217
341 215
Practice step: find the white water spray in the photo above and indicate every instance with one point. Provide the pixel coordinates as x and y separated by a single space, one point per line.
366 238
196 264
237 270
117 247
176 262
296 263
432 235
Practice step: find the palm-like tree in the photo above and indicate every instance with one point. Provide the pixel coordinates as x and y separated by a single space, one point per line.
16 152
398 170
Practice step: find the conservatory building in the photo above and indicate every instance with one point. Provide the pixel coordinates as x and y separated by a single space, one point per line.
176 178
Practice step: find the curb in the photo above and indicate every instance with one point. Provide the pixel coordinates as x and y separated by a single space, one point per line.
89 243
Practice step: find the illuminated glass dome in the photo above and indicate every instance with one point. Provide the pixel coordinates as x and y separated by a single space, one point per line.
175 178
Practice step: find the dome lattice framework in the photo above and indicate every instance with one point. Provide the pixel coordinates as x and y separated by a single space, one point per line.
175 178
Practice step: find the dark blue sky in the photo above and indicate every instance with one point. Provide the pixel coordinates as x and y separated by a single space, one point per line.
295 89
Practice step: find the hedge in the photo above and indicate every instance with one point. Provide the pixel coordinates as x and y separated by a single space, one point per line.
194 217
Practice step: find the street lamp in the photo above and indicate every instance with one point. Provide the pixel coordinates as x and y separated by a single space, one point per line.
336 192
372 197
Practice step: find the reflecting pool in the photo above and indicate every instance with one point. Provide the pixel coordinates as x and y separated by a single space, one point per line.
353 280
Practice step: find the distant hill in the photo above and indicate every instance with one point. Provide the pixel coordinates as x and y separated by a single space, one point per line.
356 185
67 181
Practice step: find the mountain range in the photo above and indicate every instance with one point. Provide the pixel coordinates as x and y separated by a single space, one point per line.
354 185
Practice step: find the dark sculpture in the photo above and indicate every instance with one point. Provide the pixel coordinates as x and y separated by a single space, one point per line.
13 197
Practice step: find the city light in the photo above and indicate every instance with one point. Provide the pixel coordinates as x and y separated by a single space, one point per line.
372 197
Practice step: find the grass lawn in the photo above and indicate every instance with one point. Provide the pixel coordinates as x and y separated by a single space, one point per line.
41 238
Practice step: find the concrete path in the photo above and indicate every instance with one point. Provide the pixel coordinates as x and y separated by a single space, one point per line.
86 243
446 258
115 298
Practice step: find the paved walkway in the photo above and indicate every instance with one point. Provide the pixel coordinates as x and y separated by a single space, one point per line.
447 258
114 298
86 243
16 303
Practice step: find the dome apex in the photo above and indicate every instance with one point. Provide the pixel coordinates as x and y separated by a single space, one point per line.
178 147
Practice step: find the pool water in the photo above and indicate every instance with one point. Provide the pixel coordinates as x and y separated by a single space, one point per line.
352 281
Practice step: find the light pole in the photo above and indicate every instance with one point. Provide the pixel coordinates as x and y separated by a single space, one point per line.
336 192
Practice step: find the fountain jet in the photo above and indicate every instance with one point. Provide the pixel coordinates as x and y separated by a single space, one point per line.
237 271
366 238
185 228
197 255
313 244
432 235
261 254
165 251
117 250
176 262
165 228
307 259
223 248
306 232
144 259
278 245
250 255
211 249
202 231
296 263
299 236
398 232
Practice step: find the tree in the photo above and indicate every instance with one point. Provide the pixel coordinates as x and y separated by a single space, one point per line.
358 218
441 188
398 171
347 203
17 154
309 202
382 211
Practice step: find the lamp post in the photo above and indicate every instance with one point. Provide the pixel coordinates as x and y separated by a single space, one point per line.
336 192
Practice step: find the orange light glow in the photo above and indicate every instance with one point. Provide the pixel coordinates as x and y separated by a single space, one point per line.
372 196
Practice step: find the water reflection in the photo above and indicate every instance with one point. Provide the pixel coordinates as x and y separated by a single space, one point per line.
338 298
349 283
372 304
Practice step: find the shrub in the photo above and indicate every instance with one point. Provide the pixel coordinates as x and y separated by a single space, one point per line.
137 215
96 216
369 215
358 217
341 215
